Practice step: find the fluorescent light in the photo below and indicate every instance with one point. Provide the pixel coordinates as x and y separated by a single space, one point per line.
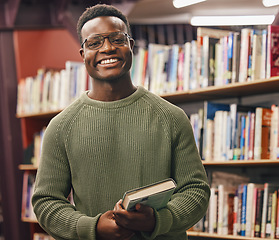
184 3
232 20
270 3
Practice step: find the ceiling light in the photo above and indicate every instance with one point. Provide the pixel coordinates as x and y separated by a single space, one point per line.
232 20
270 3
184 3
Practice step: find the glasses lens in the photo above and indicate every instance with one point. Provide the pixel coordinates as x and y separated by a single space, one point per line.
94 42
118 39
115 38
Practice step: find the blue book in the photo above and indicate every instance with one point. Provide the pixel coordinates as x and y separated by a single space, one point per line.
242 137
210 108
243 211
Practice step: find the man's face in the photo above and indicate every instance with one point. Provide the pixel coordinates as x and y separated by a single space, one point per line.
110 61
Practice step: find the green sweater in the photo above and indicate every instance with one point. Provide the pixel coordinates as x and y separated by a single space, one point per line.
102 149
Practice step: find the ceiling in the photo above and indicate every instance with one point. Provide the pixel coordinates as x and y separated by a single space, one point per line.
65 13
163 11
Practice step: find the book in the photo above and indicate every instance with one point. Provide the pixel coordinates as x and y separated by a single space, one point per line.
210 108
243 211
268 189
244 54
272 62
258 214
155 195
251 207
262 133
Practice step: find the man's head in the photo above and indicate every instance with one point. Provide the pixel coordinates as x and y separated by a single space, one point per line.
106 47
98 11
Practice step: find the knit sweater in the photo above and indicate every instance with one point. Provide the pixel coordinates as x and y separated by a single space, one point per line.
102 149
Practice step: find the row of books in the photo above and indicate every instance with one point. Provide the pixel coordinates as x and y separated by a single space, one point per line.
246 209
52 89
217 57
27 211
32 152
236 132
27 192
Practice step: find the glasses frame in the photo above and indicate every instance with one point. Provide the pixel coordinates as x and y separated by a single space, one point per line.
104 37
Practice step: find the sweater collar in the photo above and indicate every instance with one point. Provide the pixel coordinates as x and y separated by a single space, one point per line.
114 104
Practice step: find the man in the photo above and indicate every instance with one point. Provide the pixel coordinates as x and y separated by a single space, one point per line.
116 137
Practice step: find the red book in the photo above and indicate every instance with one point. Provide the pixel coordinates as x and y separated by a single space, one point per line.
272 51
262 133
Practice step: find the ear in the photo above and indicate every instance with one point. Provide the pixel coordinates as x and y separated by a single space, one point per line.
81 52
132 43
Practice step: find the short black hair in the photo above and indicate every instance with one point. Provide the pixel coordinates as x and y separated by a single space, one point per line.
100 10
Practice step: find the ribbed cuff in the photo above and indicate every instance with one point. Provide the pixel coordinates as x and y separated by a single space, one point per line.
86 227
163 224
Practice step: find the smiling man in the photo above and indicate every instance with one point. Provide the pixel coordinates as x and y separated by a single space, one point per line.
113 138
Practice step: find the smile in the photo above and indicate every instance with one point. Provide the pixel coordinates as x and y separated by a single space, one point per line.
108 61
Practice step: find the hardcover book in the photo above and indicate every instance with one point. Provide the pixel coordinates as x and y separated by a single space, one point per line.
155 195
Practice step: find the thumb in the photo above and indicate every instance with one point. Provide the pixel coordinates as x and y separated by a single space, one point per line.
142 208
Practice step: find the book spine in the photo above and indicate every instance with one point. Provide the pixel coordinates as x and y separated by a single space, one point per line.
258 217
243 211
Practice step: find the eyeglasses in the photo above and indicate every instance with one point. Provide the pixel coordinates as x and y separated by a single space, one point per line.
97 41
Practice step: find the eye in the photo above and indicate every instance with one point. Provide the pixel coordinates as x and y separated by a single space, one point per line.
94 42
118 39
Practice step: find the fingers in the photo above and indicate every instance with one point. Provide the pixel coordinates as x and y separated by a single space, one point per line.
118 205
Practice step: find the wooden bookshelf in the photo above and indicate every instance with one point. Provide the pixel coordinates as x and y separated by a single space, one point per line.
217 236
31 56
39 115
27 167
231 163
35 121
238 89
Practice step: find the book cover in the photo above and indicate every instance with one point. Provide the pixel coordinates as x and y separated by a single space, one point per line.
244 54
262 133
258 216
277 217
251 208
268 189
210 108
243 211
273 214
274 131
155 195
236 57
272 51
268 216
263 54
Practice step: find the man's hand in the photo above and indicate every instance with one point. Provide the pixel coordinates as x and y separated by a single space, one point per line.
142 219
107 229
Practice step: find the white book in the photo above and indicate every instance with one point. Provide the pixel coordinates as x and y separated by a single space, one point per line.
220 210
256 57
187 58
212 210
258 133
244 50
274 132
263 54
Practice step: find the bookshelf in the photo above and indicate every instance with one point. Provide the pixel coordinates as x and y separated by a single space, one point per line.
192 96
33 122
35 49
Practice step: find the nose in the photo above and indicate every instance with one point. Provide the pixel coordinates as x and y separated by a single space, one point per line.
107 46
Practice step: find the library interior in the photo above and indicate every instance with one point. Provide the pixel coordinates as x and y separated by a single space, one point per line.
217 60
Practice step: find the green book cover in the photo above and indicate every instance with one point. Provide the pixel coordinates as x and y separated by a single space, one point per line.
155 195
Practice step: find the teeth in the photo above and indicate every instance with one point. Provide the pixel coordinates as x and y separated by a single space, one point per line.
107 61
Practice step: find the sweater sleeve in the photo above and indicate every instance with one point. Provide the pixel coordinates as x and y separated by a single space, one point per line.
190 200
55 213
